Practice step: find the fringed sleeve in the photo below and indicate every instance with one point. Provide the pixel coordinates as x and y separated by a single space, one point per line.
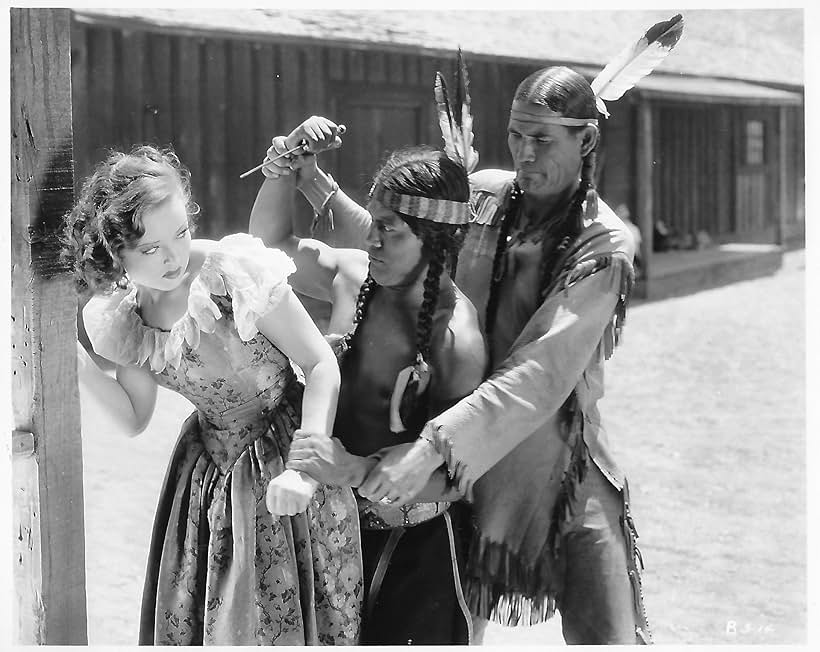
543 366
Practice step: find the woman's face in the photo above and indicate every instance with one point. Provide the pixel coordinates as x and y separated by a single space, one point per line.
394 250
159 259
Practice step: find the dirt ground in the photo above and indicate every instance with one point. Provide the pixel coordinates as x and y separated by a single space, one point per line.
705 408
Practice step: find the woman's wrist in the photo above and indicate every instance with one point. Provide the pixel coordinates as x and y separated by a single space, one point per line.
309 479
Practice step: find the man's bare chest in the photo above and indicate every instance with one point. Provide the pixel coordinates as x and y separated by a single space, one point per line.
519 286
381 349
383 346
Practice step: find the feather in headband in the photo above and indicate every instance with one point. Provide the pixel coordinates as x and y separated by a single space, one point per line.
636 61
456 121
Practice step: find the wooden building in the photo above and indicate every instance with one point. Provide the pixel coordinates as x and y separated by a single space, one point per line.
712 141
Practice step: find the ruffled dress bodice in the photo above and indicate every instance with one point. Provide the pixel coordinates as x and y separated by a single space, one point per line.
213 355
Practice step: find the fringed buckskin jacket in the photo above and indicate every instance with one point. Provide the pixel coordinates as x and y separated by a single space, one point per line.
519 444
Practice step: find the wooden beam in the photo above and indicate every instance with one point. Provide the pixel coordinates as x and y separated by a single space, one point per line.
50 601
645 160
783 175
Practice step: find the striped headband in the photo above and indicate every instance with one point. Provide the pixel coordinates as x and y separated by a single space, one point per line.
443 211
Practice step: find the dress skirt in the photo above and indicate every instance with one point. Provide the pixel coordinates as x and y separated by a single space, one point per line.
222 570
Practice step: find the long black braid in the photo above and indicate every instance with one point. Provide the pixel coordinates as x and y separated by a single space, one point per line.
569 228
440 244
362 302
510 206
420 171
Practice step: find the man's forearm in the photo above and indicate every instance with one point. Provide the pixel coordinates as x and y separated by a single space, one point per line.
340 221
530 386
438 489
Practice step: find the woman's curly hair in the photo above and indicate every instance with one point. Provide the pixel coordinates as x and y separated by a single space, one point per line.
108 213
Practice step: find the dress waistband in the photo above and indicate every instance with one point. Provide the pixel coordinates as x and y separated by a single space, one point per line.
256 410
225 435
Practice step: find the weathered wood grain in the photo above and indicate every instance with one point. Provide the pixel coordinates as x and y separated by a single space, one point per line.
50 604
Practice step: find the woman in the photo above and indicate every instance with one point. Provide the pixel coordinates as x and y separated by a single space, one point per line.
243 551
411 346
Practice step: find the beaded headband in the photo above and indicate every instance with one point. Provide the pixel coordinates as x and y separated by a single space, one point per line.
443 211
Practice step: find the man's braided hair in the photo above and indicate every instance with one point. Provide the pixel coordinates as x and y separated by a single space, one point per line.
421 172
566 92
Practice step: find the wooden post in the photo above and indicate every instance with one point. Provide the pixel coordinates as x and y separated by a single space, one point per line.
50 601
783 174
645 161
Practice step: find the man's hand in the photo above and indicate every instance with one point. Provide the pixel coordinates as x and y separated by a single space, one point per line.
289 493
280 167
325 459
402 472
319 134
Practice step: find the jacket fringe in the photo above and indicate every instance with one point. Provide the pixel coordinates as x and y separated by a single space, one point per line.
613 331
485 209
501 586
573 476
508 609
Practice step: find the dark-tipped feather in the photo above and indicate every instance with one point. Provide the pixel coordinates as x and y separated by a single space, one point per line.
464 117
636 61
456 121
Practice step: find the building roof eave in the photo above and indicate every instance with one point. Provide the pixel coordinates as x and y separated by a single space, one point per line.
708 90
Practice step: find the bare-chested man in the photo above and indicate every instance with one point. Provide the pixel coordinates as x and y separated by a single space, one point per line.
410 346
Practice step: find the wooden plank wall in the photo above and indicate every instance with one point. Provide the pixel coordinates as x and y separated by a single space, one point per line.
694 172
617 158
49 562
796 169
220 100
701 181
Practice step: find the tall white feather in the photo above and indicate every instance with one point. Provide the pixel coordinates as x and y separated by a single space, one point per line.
636 61
455 119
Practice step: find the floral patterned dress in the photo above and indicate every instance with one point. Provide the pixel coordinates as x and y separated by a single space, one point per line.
221 569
